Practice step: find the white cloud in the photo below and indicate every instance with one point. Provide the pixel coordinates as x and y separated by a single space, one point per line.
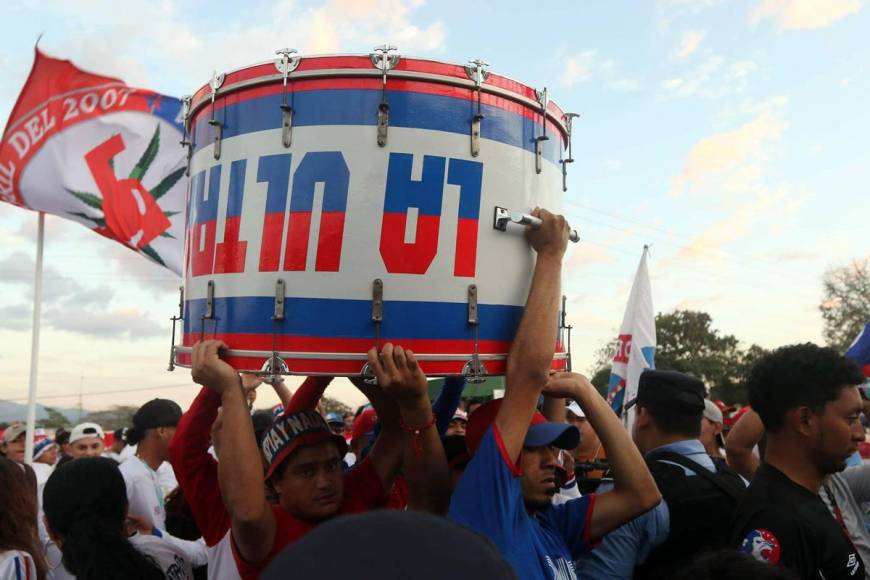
804 14
714 78
578 68
589 65
183 50
689 43
732 157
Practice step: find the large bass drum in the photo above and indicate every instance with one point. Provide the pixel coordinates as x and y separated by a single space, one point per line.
340 202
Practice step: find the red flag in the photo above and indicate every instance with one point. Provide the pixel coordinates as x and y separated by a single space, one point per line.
90 148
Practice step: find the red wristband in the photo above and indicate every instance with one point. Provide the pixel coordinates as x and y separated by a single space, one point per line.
417 432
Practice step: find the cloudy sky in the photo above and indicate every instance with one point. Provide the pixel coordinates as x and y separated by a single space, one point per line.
731 136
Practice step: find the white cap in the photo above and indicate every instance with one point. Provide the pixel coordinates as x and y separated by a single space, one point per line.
13 432
460 414
83 430
712 412
575 408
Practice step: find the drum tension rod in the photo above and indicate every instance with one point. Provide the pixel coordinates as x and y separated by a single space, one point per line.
384 62
477 72
285 65
186 141
377 319
216 81
569 119
275 365
539 141
565 326
175 319
474 370
209 308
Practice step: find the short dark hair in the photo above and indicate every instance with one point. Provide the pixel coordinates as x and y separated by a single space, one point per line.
674 420
800 375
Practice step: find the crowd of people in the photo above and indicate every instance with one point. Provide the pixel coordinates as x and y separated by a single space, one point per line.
544 483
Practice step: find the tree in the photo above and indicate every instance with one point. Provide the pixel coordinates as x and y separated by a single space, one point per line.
845 307
330 405
116 417
55 419
687 342
601 380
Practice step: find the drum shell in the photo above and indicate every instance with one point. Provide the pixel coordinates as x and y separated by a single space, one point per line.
334 212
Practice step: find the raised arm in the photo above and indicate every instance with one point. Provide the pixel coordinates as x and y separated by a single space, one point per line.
741 440
447 401
240 469
307 396
423 454
534 345
196 470
634 490
386 451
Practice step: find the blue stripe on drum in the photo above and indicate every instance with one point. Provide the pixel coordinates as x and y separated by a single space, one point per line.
324 317
359 107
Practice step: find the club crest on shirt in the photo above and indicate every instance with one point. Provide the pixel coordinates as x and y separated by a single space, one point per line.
761 545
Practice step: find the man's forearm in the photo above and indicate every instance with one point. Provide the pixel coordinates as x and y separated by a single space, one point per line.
629 469
424 461
532 350
240 468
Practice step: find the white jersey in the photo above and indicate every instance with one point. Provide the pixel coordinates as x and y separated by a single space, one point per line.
221 564
144 492
174 559
166 478
17 565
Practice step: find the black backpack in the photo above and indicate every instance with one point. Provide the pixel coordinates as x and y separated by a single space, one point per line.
702 508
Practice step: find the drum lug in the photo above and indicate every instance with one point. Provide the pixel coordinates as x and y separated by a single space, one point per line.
218 133
378 301
475 135
185 140
383 123
565 326
285 65
209 301
384 62
216 81
279 300
474 370
539 141
477 72
569 118
174 320
286 125
472 305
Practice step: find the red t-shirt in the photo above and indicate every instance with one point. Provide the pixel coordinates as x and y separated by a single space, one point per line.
363 491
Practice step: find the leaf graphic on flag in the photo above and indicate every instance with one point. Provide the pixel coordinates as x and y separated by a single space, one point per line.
166 184
148 156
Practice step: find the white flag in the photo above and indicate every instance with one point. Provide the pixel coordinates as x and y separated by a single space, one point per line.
636 342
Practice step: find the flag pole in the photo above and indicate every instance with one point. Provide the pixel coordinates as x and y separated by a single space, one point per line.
34 345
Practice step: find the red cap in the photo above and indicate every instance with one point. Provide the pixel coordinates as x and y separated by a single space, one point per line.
364 423
730 421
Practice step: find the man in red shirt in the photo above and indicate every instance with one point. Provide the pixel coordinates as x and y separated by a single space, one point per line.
304 458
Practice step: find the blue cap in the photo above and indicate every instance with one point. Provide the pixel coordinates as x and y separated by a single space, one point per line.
334 418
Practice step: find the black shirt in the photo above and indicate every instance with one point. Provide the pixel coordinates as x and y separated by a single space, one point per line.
782 523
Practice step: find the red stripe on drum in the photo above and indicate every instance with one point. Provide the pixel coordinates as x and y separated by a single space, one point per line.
270 248
230 254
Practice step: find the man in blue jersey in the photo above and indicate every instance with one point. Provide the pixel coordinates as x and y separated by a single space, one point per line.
506 492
